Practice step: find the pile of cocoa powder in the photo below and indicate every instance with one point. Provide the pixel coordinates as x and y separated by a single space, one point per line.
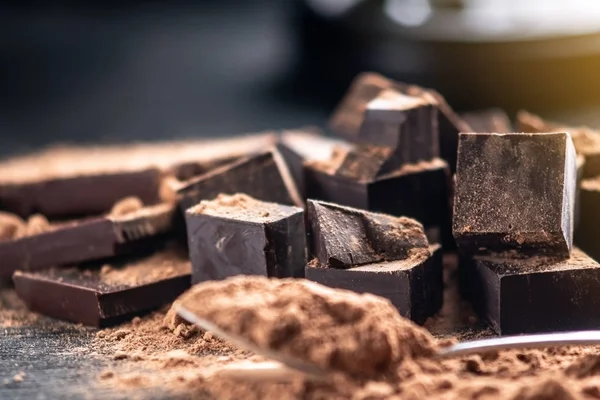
161 350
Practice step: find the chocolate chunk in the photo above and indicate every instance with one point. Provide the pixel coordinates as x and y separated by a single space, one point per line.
349 116
86 239
414 285
307 144
405 124
418 191
537 294
264 176
79 195
73 181
587 234
238 235
344 237
586 140
515 192
102 297
493 120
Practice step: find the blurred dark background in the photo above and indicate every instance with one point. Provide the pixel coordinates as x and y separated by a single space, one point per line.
115 72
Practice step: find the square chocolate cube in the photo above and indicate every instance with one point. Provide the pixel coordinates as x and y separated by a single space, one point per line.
238 235
515 192
534 294
414 285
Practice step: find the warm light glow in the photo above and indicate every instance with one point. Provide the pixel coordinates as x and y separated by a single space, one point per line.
408 12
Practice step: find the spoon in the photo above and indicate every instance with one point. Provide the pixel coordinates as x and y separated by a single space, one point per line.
276 370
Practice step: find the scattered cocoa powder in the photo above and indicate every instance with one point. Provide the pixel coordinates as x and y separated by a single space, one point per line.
13 227
126 206
240 206
37 224
19 377
162 265
162 350
10 225
335 329
13 312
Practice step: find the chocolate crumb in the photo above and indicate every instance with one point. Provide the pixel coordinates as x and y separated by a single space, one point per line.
10 225
19 377
126 206
107 374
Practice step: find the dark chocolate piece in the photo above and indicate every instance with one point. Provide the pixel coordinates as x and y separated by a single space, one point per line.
538 294
364 162
348 117
235 235
79 195
345 237
306 145
587 234
413 285
493 120
102 297
264 176
418 191
585 140
515 192
71 181
86 240
406 124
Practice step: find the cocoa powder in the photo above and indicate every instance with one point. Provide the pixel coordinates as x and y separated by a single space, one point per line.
361 335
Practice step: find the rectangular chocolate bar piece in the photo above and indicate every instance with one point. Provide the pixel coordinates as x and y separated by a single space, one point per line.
414 285
515 192
536 294
493 120
239 235
87 239
105 296
264 176
73 181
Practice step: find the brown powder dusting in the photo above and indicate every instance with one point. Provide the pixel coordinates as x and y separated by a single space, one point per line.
547 389
13 312
585 140
19 377
584 367
64 161
10 225
37 224
154 351
361 335
126 206
241 206
161 265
